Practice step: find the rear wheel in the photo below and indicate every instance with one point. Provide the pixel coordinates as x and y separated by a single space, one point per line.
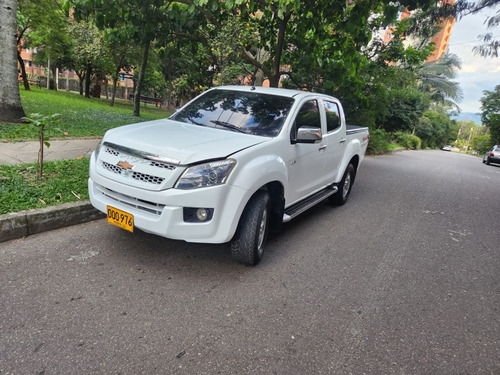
247 245
341 196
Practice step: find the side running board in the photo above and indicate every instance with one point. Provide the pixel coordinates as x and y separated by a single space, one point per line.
298 208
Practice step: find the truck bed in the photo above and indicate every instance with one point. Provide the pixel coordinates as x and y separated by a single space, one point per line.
353 129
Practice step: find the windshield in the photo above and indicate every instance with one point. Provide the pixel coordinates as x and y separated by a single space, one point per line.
245 112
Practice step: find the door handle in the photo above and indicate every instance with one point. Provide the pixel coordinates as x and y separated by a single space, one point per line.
342 140
322 148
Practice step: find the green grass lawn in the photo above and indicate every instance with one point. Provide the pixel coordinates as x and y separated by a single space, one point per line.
63 181
79 116
66 180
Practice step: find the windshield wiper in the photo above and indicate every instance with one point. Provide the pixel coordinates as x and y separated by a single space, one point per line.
227 126
194 122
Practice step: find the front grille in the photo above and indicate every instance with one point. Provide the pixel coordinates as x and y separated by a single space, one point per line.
112 168
135 175
162 165
139 204
157 164
112 152
147 178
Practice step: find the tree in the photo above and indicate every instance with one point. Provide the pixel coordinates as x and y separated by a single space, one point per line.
144 18
435 128
48 30
117 42
405 109
435 79
89 53
10 100
490 116
490 46
36 20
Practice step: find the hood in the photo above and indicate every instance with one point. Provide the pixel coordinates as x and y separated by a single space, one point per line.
183 143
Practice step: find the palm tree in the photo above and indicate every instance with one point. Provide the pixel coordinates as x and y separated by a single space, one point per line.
436 79
10 100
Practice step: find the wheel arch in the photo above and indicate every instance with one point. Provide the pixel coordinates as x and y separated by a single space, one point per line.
276 193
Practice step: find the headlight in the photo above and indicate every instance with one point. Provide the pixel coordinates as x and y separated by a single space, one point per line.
206 174
98 149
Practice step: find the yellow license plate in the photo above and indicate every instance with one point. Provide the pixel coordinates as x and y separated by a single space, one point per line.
121 218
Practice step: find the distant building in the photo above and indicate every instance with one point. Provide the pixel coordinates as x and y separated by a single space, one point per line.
440 40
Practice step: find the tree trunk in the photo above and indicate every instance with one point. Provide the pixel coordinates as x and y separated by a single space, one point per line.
23 72
53 79
113 94
40 153
258 78
137 90
88 73
10 100
81 77
274 79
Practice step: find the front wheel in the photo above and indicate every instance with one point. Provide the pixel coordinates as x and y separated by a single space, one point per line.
341 196
247 245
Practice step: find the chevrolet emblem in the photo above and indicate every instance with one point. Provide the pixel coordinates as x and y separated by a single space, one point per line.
125 165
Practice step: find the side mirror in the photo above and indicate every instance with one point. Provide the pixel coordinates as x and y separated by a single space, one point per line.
308 134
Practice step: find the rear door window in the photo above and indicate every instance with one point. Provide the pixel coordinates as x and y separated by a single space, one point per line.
332 116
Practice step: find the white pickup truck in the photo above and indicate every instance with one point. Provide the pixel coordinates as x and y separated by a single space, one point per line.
230 165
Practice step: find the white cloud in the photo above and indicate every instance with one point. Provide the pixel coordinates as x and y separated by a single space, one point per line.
478 73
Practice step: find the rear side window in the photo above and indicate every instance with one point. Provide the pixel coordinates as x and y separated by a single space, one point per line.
332 116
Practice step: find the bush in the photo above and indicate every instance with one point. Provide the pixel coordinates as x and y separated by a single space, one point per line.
482 143
379 142
408 140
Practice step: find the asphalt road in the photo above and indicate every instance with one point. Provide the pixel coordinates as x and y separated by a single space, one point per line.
403 279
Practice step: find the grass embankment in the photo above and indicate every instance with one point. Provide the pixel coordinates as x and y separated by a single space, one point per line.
79 116
66 180
63 181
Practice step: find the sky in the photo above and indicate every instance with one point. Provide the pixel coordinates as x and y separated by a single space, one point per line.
477 73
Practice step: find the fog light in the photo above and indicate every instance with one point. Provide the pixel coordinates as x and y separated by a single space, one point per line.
202 214
198 214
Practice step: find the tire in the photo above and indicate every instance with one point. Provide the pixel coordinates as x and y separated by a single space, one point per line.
488 161
247 245
345 187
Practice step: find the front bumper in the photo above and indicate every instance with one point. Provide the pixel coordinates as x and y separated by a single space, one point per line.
161 212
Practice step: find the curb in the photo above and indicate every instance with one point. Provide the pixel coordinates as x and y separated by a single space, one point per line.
23 223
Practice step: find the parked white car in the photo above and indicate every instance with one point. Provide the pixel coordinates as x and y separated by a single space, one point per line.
227 166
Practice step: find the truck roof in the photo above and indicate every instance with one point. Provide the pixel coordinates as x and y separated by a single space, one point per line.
270 90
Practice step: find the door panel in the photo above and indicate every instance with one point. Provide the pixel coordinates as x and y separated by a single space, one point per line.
334 139
306 160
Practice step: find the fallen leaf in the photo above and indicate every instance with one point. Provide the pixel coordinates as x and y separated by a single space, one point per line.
41 200
75 194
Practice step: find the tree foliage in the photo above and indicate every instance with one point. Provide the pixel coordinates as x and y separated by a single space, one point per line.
490 116
436 129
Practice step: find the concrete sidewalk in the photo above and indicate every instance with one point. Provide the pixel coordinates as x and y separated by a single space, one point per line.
21 224
27 152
